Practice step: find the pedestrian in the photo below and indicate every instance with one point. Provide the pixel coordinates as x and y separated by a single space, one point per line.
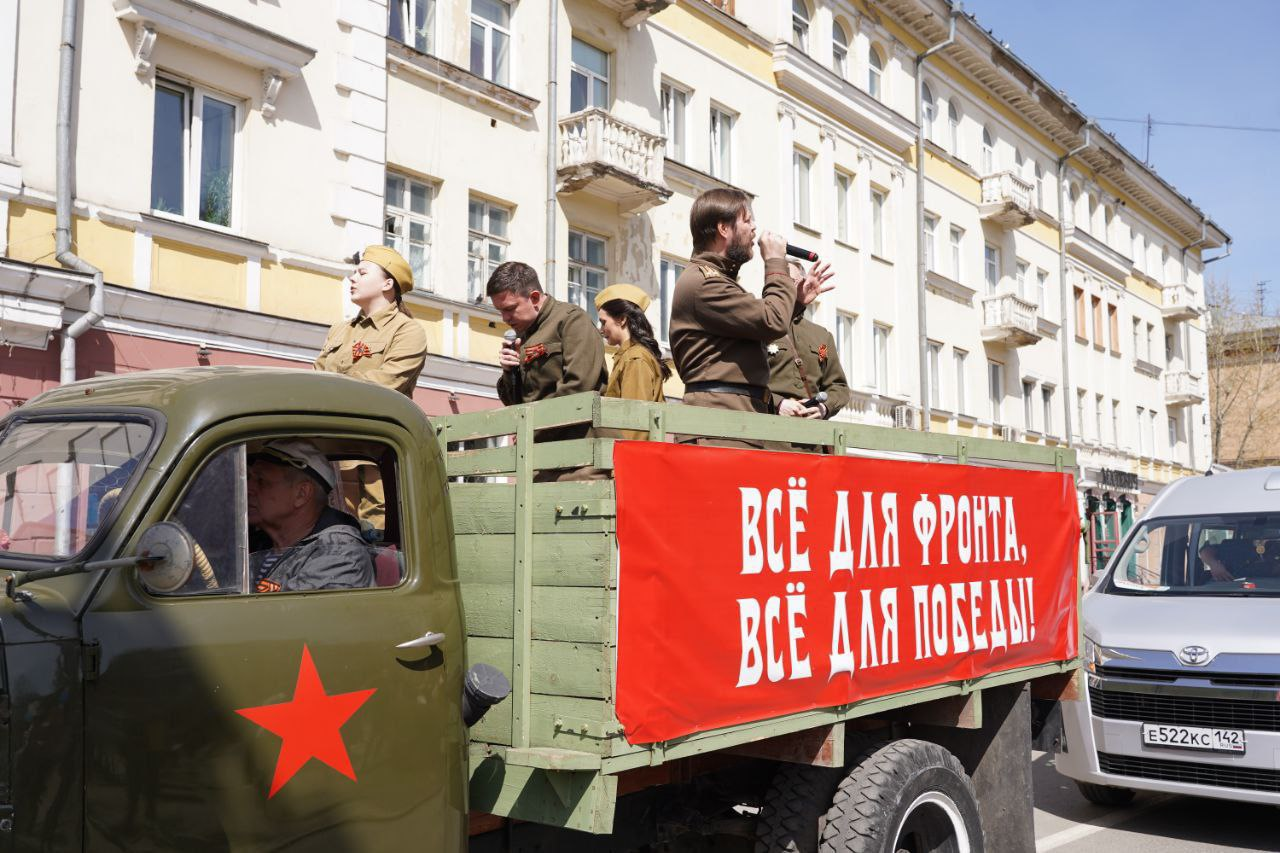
804 361
382 344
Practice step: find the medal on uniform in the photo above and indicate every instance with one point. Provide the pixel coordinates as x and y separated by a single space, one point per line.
534 351
359 350
822 354
773 349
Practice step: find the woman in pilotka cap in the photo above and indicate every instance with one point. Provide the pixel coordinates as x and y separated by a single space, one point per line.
638 369
382 344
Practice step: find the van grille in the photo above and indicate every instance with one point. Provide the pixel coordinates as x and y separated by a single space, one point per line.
1214 775
1185 710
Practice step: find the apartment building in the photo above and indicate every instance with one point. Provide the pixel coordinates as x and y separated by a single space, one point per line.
1019 275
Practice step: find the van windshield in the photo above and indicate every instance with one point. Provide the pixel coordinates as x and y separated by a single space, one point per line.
1204 555
60 480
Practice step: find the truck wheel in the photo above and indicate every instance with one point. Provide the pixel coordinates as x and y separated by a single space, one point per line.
908 796
795 808
1105 795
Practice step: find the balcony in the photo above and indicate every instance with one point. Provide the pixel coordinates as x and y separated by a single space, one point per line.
1009 320
1178 302
1182 389
632 12
1006 200
612 160
1097 254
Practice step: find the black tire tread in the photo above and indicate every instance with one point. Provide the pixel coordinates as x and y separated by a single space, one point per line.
793 807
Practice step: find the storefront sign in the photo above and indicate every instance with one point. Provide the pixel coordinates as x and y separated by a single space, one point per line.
754 584
1112 479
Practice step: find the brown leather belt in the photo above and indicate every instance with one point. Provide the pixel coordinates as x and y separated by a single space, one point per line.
742 389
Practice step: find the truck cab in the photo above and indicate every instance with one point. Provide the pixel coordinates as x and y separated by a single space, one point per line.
1181 653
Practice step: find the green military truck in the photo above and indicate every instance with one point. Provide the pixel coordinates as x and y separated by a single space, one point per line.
153 701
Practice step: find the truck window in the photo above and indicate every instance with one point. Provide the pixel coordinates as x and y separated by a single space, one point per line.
293 515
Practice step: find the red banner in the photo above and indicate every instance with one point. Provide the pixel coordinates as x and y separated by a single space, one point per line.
754 584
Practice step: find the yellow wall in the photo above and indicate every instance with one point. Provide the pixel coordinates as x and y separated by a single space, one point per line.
703 30
108 247
432 320
189 272
941 171
486 340
31 234
1139 287
298 294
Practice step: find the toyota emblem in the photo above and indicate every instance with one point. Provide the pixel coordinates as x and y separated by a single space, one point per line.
1193 655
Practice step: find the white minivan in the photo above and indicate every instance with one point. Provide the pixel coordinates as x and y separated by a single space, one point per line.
1182 650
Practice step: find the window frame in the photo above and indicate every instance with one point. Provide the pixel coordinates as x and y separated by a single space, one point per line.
586 300
1028 404
988 162
875 73
802 187
846 336
935 373
844 207
928 112
422 279
1046 402
957 253
192 146
720 126
991 267
669 270
501 76
959 358
879 201
880 355
839 50
674 110
801 22
995 390
487 239
931 223
408 10
592 77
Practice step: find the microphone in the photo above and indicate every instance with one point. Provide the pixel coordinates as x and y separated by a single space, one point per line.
815 400
802 254
509 338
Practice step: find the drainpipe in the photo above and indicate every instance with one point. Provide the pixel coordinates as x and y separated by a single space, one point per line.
553 133
926 411
65 166
1068 393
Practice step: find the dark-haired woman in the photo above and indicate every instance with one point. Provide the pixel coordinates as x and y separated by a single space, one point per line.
638 369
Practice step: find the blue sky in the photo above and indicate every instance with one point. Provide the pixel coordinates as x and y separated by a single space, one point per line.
1179 60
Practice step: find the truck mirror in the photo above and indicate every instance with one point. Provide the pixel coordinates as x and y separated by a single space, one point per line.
166 555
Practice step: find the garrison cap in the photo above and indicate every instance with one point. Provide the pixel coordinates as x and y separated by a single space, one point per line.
391 261
629 292
301 454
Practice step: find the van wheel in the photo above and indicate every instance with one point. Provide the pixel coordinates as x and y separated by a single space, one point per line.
1105 795
908 796
795 808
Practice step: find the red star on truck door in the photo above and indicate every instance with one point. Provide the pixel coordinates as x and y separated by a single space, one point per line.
309 724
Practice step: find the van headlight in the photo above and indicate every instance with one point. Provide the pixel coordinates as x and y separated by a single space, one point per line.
1097 655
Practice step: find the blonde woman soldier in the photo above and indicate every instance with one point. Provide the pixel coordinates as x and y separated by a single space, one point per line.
382 344
638 369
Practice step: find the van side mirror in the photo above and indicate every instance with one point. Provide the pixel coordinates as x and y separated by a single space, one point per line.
166 556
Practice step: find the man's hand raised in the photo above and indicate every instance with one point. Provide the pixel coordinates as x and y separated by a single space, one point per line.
814 283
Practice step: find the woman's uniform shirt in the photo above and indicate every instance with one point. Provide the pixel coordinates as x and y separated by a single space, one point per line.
387 348
636 375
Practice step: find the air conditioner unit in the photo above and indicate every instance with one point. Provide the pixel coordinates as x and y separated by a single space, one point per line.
1008 433
904 417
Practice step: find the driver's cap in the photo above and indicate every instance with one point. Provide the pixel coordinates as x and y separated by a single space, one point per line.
301 454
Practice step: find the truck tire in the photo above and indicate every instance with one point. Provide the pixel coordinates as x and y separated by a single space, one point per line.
907 795
795 808
1105 795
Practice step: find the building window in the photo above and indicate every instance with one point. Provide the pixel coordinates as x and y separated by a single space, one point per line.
877 222
1080 415
1039 175
1139 253
844 188
839 50
1115 422
1173 435
674 102
1151 333
960 356
880 356
587 270
588 78
670 272
953 129
1137 338
928 111
193 144
930 243
800 25
1098 404
407 224
721 144
801 170
413 22
491 40
957 253
1096 301
1082 330
1046 405
988 152
846 325
1028 404
875 74
1020 271
1142 432
995 390
487 243
991 266
1151 430
1168 351
1113 327
935 374
1042 292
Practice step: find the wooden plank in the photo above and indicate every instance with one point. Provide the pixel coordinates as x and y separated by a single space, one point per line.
559 559
487 508
556 669
581 800
819 747
567 614
556 721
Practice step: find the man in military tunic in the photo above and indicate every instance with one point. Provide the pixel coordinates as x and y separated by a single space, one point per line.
804 361
718 329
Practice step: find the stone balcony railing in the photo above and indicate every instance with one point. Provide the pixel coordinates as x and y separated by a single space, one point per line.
1007 200
1010 320
604 156
1178 302
1182 388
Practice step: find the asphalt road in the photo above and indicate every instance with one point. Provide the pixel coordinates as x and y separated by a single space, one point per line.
1154 823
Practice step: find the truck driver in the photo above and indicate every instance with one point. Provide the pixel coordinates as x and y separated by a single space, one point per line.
312 545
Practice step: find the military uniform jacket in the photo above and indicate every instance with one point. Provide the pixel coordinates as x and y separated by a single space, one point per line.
816 349
560 354
719 330
636 375
387 349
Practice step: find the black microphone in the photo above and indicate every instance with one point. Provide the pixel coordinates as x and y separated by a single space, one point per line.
816 400
802 254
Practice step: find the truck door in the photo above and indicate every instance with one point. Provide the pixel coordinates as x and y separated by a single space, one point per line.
223 717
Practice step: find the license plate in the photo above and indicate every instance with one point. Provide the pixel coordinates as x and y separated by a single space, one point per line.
1193 737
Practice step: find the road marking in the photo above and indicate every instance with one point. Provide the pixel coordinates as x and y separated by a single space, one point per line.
1084 830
